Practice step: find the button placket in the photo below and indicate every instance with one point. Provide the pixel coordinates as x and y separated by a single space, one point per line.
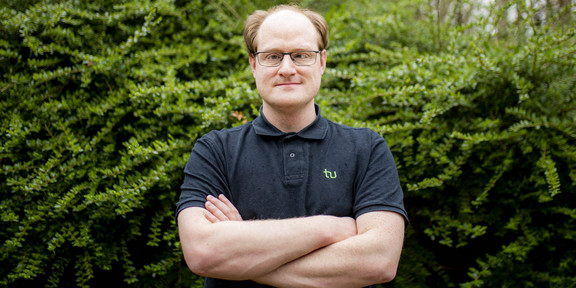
293 162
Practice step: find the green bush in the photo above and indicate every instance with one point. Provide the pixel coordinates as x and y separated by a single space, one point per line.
483 129
101 104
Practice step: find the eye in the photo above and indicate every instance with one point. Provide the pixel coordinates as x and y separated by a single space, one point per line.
301 55
272 56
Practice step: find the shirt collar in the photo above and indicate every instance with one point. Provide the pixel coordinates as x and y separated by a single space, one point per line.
316 130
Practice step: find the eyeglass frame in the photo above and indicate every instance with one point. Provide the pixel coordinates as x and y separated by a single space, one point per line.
255 54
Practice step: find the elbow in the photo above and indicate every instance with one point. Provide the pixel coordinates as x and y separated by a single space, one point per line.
387 276
199 263
383 272
201 260
203 263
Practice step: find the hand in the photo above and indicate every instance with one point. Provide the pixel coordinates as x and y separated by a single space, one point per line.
343 228
221 209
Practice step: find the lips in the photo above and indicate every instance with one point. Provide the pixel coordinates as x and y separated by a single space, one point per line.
287 84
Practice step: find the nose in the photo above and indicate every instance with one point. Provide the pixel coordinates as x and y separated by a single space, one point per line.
287 67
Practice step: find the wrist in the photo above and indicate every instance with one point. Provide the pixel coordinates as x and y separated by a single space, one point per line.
335 229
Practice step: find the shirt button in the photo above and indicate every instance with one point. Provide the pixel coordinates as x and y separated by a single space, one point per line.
292 155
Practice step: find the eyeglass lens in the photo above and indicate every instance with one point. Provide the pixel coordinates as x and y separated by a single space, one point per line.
300 58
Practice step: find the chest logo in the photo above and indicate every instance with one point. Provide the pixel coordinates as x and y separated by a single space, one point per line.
329 175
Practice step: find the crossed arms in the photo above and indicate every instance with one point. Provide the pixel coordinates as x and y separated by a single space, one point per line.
316 251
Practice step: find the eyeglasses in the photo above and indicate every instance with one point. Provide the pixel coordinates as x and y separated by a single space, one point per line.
273 59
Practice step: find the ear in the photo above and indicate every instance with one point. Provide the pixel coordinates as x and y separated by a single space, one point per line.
323 58
252 63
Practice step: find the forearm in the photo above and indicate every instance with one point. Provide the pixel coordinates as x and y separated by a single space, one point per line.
331 266
240 250
368 258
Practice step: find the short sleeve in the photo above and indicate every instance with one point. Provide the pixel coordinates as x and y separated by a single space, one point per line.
204 174
379 188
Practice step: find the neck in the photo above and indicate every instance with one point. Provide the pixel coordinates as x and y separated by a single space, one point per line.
290 120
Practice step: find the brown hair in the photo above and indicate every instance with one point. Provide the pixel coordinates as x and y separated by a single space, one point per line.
254 21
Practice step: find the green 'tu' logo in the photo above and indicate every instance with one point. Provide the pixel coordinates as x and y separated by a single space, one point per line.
329 174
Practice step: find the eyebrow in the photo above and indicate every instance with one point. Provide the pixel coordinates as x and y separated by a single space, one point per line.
292 50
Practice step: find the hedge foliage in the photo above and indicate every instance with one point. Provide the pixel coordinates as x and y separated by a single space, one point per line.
101 104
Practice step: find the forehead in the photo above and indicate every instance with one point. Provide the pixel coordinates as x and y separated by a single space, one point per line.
287 30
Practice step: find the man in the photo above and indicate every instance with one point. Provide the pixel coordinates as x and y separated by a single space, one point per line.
291 199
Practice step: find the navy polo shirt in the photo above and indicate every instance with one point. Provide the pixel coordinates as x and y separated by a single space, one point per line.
325 169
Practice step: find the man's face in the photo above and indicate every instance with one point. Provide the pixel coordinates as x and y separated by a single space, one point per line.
288 87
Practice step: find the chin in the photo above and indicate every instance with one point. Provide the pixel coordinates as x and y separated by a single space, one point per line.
290 104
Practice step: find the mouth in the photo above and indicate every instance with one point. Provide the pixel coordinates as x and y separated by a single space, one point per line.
287 84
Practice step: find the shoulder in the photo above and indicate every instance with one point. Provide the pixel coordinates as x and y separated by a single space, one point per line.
224 141
354 134
364 142
349 129
224 135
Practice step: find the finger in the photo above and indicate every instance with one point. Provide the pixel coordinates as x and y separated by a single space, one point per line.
215 210
234 214
210 217
217 203
222 208
229 211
